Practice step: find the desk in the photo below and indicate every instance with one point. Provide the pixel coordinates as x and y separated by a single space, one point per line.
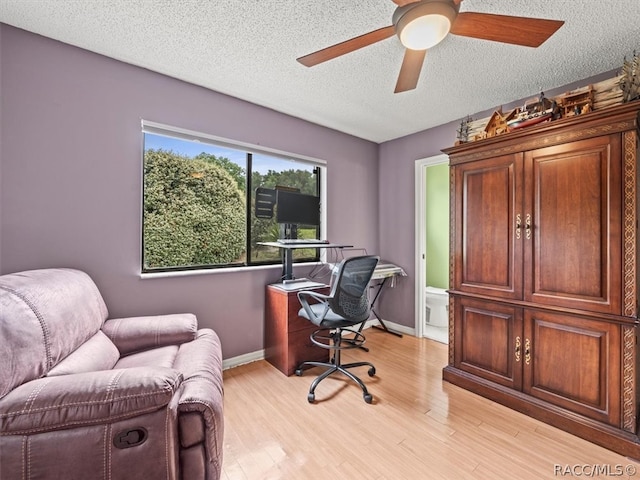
287 340
288 248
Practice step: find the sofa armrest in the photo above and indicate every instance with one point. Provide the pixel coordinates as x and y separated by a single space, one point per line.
134 334
55 403
201 398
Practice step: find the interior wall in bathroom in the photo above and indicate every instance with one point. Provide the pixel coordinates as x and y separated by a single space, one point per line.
437 222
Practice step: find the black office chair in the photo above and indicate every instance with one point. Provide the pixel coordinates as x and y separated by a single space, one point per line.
347 305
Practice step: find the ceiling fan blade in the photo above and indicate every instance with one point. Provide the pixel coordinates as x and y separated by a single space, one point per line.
528 32
410 70
347 46
402 3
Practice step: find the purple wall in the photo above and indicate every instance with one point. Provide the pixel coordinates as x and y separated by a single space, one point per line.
70 191
397 213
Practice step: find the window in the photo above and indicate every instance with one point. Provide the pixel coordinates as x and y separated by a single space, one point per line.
199 199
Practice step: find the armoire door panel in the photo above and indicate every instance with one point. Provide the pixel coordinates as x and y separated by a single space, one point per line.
489 261
575 209
486 345
574 362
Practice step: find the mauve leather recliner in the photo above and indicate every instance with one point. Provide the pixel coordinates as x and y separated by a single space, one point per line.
86 397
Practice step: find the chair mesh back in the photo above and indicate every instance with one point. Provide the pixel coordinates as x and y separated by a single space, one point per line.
350 299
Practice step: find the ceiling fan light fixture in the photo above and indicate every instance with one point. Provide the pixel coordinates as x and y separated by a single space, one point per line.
425 32
425 24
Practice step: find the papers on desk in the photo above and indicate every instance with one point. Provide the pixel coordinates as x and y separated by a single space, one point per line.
294 286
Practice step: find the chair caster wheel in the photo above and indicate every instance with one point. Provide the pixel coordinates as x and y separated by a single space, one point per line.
372 371
368 398
311 398
298 372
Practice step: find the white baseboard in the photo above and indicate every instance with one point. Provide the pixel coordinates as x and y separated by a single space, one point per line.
242 359
259 355
394 327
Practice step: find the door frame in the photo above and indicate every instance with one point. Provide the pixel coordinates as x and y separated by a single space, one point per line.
421 235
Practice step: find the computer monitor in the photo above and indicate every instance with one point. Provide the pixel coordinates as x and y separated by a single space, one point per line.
297 208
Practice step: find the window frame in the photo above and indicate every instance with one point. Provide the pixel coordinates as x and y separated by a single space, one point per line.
150 127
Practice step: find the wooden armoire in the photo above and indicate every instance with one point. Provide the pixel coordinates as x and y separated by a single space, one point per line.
544 273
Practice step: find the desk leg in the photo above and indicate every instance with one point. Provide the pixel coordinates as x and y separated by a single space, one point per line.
382 326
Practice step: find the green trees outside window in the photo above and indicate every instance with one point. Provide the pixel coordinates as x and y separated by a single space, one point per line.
196 205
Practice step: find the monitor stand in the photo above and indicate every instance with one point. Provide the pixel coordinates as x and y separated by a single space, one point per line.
288 231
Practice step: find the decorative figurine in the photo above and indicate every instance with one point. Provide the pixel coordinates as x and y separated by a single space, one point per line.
497 124
630 79
535 111
576 102
463 131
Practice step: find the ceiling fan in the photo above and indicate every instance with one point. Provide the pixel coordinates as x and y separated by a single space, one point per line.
422 24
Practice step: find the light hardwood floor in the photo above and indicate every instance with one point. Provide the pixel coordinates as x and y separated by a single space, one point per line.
418 426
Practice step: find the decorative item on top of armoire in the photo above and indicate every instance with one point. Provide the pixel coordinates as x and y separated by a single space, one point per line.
622 88
543 314
462 134
534 111
497 124
576 102
630 79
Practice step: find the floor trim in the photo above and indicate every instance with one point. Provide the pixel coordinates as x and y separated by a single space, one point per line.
259 354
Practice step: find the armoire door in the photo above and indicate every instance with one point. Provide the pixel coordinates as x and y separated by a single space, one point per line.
572 250
488 225
573 362
488 340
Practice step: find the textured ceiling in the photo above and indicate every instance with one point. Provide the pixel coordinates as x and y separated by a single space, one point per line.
247 49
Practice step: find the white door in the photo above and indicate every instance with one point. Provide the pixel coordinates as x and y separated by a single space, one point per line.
421 166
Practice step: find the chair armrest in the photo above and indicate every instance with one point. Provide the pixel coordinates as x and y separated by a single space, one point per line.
304 297
67 401
309 293
134 334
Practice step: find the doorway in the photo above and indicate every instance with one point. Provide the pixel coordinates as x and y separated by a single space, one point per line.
432 245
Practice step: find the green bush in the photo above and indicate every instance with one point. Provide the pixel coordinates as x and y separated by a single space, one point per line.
194 212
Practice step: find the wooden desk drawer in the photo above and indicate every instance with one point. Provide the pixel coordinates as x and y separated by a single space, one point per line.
301 349
286 335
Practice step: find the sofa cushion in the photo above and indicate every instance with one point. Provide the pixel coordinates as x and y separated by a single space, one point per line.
97 353
44 316
71 401
157 357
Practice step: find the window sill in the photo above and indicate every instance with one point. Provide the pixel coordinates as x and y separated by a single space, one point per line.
208 271
217 271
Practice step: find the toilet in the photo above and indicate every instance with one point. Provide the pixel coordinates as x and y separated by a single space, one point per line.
437 306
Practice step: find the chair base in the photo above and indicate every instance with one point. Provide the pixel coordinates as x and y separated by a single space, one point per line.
335 366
